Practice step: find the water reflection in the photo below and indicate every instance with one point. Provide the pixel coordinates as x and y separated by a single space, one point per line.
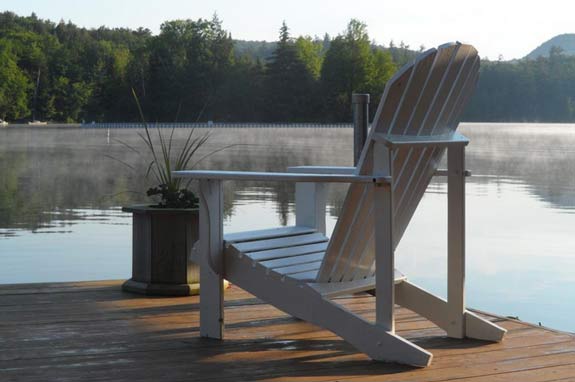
539 155
45 173
59 197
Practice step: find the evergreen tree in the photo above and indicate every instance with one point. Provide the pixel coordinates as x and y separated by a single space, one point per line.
289 82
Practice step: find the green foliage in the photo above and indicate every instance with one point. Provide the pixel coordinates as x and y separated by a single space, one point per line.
74 73
383 69
311 53
191 71
14 85
541 90
352 65
402 54
182 198
194 71
163 160
189 64
242 96
254 50
67 99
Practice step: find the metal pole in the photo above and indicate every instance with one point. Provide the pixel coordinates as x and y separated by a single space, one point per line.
360 104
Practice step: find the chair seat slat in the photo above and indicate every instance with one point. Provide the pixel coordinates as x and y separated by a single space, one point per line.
238 237
281 242
288 252
348 287
297 259
298 268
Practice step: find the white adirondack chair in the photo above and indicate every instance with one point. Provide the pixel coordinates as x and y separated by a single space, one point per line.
298 269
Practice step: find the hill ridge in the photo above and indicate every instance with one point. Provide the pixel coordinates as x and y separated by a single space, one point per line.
565 41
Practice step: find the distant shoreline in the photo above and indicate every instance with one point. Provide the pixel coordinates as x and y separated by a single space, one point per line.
229 125
209 125
49 125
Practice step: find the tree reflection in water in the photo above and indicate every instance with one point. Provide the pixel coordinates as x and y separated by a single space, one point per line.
48 173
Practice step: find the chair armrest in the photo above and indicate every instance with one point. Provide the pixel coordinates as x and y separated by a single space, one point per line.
347 170
280 176
322 170
414 141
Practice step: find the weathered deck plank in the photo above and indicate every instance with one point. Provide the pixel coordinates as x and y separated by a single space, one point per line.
93 331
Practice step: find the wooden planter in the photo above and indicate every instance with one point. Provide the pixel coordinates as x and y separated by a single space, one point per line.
162 241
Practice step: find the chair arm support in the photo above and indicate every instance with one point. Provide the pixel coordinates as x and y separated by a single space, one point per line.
280 176
211 230
310 204
310 198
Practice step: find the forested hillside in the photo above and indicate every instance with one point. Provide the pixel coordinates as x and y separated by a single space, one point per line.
541 90
189 72
565 42
193 71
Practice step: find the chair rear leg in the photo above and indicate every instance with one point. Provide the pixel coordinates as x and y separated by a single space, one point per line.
436 310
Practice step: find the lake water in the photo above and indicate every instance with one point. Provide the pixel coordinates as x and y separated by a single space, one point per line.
61 192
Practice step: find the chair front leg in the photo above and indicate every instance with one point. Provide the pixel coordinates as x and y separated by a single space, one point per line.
211 240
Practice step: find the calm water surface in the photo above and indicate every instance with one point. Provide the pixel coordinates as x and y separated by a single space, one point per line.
61 192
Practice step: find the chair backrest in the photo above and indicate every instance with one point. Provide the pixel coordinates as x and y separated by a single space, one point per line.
425 97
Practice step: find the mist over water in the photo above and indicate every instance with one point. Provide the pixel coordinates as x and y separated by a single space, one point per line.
61 190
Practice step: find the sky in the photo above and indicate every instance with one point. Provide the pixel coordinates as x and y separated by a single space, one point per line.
510 28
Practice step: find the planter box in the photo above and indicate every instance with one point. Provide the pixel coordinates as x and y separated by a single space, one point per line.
162 241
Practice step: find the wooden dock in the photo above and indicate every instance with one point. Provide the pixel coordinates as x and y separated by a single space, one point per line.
90 331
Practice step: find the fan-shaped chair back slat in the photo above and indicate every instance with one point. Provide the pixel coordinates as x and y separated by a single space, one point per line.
426 97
